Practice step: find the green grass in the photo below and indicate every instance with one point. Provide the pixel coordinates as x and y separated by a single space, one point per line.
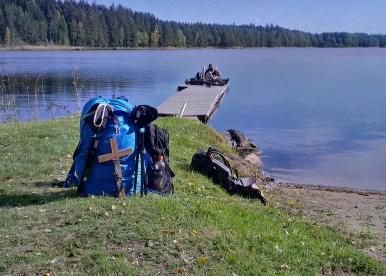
199 230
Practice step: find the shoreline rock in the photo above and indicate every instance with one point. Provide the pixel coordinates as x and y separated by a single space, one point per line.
248 151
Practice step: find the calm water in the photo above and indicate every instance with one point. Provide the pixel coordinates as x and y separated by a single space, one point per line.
319 115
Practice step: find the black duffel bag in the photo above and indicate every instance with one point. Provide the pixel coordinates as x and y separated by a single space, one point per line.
220 171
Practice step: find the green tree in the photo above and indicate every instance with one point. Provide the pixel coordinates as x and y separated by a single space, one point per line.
121 37
180 39
63 32
145 39
137 39
73 33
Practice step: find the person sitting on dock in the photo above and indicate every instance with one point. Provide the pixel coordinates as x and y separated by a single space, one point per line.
214 74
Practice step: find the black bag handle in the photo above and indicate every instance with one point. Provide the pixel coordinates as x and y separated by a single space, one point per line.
211 151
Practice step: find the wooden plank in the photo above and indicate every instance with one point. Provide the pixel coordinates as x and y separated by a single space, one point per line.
201 101
115 154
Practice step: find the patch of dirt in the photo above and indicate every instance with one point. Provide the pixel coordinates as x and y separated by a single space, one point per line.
361 216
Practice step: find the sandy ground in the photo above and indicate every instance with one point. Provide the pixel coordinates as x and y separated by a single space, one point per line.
361 216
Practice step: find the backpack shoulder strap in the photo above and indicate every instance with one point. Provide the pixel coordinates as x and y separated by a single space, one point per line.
101 113
211 151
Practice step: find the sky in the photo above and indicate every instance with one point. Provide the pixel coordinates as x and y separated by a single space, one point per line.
307 15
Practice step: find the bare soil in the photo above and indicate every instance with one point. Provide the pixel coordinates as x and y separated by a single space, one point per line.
361 216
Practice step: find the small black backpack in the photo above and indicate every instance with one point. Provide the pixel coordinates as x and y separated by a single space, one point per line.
156 145
221 172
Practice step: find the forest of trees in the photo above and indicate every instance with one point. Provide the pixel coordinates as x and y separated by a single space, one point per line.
79 23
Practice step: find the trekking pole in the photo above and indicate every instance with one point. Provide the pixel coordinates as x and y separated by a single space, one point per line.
137 160
136 172
142 154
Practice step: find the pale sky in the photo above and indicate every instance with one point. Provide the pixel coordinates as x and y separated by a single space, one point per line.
307 15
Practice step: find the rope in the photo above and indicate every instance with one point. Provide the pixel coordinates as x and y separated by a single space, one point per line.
100 106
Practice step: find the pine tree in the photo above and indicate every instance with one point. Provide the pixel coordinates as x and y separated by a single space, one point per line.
121 37
180 39
145 39
73 34
63 32
137 39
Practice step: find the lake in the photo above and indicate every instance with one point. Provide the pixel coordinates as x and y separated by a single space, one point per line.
319 115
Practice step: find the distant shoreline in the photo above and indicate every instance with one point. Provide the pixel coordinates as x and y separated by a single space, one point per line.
54 48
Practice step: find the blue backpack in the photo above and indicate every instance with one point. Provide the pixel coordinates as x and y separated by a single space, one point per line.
109 159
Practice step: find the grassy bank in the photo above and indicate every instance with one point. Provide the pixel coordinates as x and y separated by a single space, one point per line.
199 230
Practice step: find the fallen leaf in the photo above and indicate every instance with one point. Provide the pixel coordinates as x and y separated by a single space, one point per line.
53 261
203 260
113 207
284 266
135 262
150 243
180 271
106 214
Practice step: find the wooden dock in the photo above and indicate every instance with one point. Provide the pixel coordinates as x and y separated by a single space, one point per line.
193 101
